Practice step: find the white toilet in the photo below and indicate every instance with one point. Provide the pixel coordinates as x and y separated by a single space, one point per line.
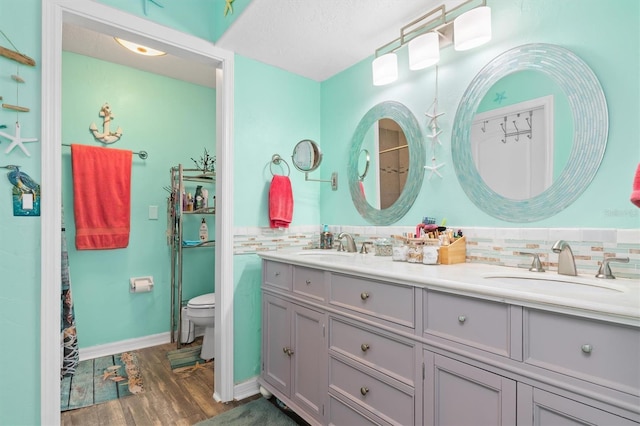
201 311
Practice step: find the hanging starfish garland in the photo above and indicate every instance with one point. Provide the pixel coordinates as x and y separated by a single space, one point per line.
435 134
17 140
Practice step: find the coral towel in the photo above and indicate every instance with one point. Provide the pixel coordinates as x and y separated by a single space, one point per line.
101 196
635 194
280 202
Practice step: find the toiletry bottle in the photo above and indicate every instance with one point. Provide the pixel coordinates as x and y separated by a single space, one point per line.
204 231
326 238
197 203
189 202
205 199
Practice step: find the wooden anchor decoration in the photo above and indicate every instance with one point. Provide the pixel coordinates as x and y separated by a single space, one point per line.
106 136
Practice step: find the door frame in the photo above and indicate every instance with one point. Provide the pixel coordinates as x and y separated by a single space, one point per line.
112 21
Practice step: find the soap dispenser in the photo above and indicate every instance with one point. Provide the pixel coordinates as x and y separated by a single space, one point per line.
204 231
326 238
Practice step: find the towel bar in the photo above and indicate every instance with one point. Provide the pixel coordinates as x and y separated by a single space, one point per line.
142 154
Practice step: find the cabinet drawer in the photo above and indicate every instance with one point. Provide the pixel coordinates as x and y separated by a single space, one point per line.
309 282
341 414
389 402
277 274
389 355
475 322
388 301
597 351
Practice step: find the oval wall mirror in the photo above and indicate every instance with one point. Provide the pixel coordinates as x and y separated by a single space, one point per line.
577 131
306 155
403 175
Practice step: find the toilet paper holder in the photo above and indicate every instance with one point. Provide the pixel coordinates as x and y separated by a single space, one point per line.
140 284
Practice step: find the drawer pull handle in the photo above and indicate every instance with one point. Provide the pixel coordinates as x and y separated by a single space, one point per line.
462 319
587 349
308 282
364 347
364 391
277 274
364 295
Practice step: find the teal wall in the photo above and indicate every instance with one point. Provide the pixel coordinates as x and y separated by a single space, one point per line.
569 23
20 236
173 121
275 109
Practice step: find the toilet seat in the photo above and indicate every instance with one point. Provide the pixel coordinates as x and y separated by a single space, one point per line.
205 301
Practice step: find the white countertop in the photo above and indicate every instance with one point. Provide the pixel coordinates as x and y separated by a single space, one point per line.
616 300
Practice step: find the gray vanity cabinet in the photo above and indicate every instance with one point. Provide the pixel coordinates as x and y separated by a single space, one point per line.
294 354
351 349
537 407
462 395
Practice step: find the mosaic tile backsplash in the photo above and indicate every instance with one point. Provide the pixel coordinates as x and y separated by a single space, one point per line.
499 246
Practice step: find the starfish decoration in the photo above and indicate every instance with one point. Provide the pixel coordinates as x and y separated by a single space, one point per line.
434 168
500 97
228 7
144 4
17 140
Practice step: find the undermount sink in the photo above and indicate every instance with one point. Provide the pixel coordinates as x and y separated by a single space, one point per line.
566 282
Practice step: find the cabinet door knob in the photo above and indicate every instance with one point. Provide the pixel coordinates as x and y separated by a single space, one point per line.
287 351
364 391
462 318
364 347
587 348
277 274
364 295
308 282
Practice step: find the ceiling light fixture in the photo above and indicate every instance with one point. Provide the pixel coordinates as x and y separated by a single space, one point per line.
469 26
138 48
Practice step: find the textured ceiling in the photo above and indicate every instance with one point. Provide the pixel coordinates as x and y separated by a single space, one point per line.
320 38
312 38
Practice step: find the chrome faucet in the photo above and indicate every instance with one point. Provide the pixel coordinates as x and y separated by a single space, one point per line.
351 245
566 261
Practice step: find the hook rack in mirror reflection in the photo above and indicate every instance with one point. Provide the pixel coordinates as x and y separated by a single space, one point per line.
307 157
367 161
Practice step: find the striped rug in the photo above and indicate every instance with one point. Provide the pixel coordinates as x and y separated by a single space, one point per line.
100 380
185 357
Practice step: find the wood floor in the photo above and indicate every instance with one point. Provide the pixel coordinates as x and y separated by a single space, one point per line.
168 399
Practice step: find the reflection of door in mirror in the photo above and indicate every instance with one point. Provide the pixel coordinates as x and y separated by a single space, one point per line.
512 148
393 161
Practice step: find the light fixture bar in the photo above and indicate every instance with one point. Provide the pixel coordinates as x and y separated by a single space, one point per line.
438 19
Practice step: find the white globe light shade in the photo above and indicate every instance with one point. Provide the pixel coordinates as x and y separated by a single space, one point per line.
385 69
424 51
472 28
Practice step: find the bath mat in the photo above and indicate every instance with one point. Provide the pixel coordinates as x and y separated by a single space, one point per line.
100 380
185 357
257 412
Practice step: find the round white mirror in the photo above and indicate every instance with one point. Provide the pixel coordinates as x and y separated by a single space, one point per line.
586 143
407 169
306 156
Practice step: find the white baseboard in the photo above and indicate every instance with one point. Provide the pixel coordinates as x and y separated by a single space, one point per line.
246 389
124 345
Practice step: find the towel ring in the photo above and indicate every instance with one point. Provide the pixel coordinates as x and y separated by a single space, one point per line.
276 159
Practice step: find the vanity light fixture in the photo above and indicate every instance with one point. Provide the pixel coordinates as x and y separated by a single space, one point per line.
472 28
425 36
138 48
